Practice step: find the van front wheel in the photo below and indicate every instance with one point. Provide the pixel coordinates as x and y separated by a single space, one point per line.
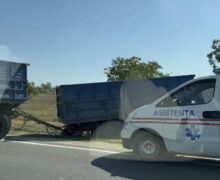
148 146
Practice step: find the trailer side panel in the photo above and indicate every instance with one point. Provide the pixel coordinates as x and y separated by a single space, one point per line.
96 102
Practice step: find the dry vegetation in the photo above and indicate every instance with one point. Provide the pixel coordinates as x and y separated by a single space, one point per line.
42 106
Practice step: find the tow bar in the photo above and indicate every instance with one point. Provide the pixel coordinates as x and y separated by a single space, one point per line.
28 117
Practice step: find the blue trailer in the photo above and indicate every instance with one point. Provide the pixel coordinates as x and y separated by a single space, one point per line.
13 91
85 107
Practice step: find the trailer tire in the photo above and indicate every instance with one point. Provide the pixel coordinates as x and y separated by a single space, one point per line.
149 146
5 124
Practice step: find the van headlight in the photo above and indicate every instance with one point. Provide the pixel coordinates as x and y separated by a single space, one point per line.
125 124
130 118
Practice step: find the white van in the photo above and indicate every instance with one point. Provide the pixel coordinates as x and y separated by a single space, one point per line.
185 120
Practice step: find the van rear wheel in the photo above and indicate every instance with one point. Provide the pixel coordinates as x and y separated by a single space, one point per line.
148 146
5 124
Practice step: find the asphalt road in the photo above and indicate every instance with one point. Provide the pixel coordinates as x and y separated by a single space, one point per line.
40 161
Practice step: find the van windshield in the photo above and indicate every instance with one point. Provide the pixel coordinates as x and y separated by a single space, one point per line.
196 93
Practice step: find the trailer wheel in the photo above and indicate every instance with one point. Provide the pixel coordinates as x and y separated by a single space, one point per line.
148 146
72 131
5 124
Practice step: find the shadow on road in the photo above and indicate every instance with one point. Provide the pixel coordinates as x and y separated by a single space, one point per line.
44 137
125 165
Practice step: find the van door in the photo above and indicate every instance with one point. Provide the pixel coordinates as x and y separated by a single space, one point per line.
188 118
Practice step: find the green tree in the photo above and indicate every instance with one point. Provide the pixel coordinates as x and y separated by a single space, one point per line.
214 56
44 88
32 89
132 68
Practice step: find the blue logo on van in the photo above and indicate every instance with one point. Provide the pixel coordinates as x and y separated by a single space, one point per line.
193 133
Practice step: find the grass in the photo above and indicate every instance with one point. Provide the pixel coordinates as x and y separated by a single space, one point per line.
42 106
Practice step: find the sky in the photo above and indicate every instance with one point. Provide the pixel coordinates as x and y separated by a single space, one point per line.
72 41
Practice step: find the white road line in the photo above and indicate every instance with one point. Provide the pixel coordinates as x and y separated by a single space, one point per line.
211 161
114 152
65 147
200 157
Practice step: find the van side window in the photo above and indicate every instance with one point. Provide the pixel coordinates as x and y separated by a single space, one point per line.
196 93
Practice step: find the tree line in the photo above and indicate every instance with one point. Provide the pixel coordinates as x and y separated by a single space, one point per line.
44 88
121 69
